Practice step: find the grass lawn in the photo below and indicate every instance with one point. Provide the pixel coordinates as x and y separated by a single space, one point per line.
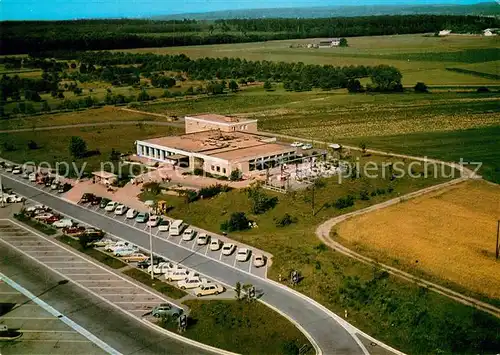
41 227
423 243
93 253
475 145
160 286
54 144
242 327
417 56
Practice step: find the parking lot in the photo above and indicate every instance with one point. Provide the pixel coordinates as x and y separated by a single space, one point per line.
247 266
42 332
111 287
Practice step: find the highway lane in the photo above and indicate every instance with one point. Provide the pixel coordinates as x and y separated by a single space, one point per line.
328 334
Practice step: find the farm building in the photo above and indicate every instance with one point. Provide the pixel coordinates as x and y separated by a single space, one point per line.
333 42
444 32
490 32
218 145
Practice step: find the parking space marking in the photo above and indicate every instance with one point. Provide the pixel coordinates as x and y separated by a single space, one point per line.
234 263
28 318
250 266
48 308
46 331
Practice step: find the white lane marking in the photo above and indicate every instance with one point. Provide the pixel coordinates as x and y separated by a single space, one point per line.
52 341
35 318
206 251
113 287
60 316
134 302
250 265
46 331
234 263
194 244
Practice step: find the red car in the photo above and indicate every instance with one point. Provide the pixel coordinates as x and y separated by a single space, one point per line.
52 219
74 231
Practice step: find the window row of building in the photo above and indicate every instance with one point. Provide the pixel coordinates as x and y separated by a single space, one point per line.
154 153
270 161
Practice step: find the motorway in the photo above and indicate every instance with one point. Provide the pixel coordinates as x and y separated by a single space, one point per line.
328 335
116 329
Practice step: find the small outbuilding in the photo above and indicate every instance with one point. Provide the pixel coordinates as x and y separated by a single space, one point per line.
104 177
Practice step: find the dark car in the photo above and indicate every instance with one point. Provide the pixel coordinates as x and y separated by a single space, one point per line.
87 197
96 201
73 231
144 264
94 233
64 188
49 180
104 202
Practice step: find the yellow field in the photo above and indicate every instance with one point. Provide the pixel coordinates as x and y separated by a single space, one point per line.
450 235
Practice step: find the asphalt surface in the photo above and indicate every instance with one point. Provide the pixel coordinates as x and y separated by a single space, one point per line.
120 331
326 332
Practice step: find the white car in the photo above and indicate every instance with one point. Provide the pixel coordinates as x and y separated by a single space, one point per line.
43 216
111 206
215 244
103 242
124 252
243 254
228 248
163 267
307 146
177 274
37 208
164 225
259 260
17 170
154 220
191 282
32 177
62 223
9 168
296 144
25 175
121 210
12 198
203 239
208 289
118 245
188 234
131 213
55 185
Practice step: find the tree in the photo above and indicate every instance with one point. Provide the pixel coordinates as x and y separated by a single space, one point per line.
242 81
268 86
77 147
237 289
260 201
32 96
114 155
353 85
233 86
343 42
45 107
235 175
421 88
143 96
386 78
32 145
238 221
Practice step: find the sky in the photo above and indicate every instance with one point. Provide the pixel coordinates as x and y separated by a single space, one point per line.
76 9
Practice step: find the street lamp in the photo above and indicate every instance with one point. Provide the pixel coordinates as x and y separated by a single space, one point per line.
151 252
2 203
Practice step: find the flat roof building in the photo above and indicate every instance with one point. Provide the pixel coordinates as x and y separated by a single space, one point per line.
218 145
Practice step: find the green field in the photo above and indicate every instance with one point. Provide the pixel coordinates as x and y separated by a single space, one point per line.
242 327
419 57
472 145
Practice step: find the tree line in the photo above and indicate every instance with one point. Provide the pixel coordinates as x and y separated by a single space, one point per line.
26 36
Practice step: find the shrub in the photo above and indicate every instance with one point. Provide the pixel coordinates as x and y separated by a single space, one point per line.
482 89
363 195
421 88
213 190
344 202
260 201
380 192
238 221
198 171
190 195
235 175
32 145
286 220
152 187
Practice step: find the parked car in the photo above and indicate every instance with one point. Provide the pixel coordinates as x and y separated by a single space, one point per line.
188 234
94 232
25 175
144 264
191 282
137 257
12 198
228 248
203 239
259 260
215 244
36 208
17 170
103 242
62 223
176 274
43 216
87 197
164 267
166 310
115 245
154 220
208 289
73 231
142 217
52 219
124 252
121 210
307 146
32 177
131 213
243 254
296 144
111 206
55 185
104 202
164 225
8 168
49 180
64 187
96 201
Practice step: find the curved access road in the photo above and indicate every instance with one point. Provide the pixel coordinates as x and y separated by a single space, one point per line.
328 333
